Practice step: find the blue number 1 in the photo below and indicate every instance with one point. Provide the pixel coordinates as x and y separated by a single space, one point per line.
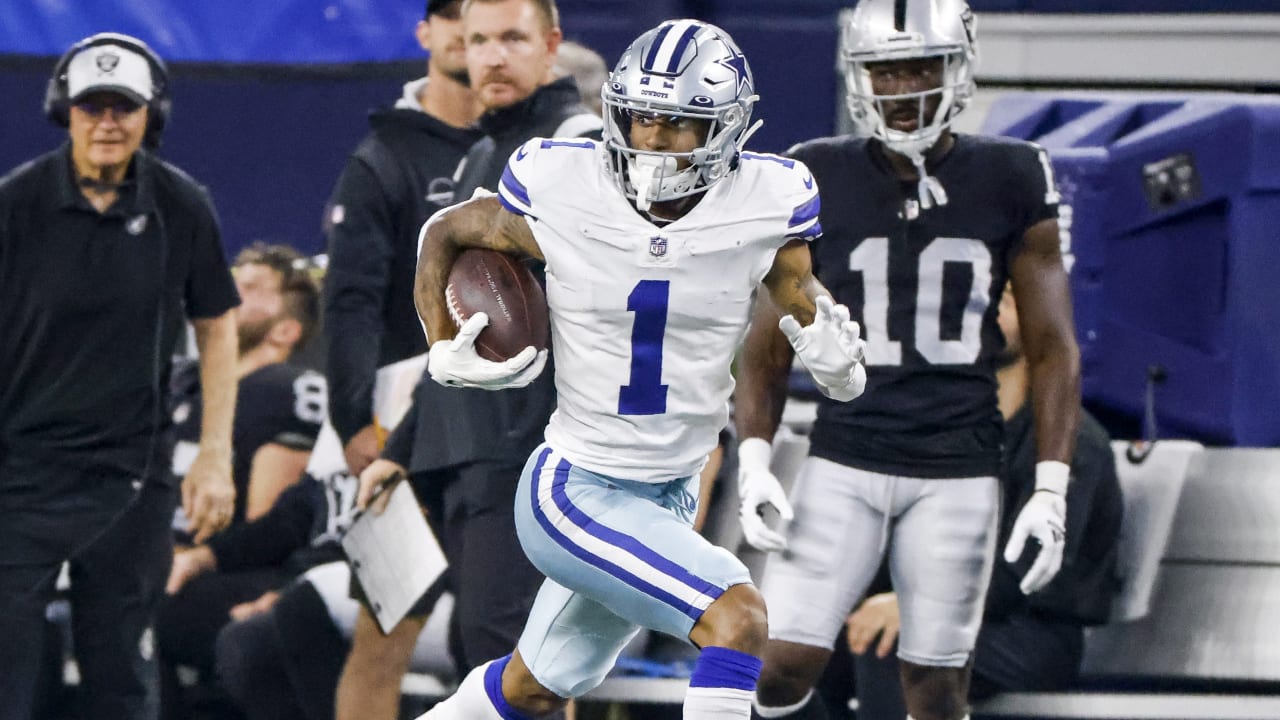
645 394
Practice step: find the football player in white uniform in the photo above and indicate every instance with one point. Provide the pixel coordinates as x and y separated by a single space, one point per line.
655 241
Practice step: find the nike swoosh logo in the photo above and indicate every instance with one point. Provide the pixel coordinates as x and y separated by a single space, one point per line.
808 182
520 153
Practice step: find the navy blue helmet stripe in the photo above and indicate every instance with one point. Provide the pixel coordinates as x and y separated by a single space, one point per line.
673 66
668 51
900 15
652 57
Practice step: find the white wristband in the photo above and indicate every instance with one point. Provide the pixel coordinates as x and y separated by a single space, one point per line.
755 452
1053 476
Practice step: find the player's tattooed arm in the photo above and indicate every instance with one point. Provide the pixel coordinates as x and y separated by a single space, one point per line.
480 222
791 289
791 282
510 233
825 338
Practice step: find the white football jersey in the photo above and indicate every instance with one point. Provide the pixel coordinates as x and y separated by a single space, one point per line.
645 320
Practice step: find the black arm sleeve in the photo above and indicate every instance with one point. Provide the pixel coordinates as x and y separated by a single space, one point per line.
1031 186
272 538
360 236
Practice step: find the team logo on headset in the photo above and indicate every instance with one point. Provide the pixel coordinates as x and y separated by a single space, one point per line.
107 62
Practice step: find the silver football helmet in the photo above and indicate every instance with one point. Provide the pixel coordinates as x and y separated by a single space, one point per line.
886 30
685 68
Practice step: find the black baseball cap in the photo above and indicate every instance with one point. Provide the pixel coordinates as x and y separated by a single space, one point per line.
449 9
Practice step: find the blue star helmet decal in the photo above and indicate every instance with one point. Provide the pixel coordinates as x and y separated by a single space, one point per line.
737 62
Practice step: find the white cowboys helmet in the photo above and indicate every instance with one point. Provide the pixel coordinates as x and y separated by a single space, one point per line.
684 68
886 30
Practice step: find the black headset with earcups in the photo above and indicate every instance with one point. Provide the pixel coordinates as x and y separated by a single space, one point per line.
57 106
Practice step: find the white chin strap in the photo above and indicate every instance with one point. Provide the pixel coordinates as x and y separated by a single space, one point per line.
654 176
929 189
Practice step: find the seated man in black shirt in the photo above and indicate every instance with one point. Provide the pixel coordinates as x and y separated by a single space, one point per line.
279 411
280 406
1027 642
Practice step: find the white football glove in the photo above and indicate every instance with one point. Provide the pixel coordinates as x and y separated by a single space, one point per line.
757 487
456 364
830 349
1044 517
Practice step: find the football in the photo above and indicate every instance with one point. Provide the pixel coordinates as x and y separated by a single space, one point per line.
501 286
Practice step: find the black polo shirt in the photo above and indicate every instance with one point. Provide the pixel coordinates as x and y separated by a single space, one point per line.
92 306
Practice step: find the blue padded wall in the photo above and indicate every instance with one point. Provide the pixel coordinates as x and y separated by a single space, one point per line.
268 145
1171 205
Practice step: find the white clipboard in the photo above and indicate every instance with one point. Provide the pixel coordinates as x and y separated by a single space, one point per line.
394 554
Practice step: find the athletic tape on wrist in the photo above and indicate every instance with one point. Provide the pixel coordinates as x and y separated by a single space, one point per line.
755 452
1053 476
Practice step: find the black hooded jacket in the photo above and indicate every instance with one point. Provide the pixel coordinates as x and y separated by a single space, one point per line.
398 176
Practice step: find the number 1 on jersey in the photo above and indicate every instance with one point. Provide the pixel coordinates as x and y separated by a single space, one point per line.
645 394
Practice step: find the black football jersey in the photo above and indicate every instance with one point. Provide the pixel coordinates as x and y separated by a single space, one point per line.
279 403
925 286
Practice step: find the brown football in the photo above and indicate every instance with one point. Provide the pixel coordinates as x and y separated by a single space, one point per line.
501 286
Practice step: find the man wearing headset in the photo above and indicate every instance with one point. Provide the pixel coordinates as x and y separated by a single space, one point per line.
103 248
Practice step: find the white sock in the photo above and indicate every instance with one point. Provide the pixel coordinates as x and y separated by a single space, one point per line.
469 702
705 703
783 710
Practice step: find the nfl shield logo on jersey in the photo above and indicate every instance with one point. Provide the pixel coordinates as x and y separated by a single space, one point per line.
658 246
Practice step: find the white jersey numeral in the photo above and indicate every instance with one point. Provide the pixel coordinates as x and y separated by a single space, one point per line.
871 259
310 398
1051 195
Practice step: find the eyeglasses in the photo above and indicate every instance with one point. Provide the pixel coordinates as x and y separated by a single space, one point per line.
96 108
